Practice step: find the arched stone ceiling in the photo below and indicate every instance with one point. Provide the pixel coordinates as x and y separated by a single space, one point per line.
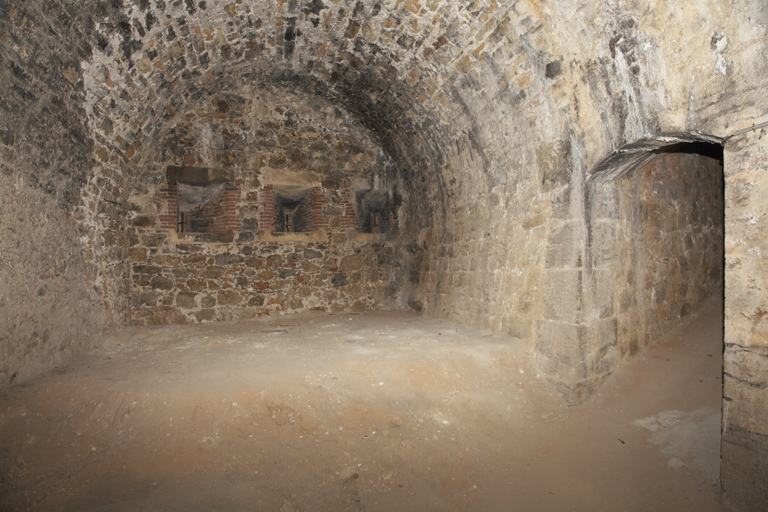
493 111
423 77
458 93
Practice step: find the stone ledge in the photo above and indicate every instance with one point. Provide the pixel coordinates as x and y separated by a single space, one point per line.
314 236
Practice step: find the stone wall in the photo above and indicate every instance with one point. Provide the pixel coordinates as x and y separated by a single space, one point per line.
49 306
647 250
261 144
669 237
744 466
185 281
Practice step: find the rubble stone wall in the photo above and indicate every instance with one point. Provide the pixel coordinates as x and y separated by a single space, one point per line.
669 238
186 281
261 141
51 304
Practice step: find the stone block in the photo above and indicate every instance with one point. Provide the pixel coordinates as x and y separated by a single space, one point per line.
577 357
197 260
147 269
213 272
292 259
145 299
167 260
228 298
561 203
154 240
143 221
137 254
744 386
338 280
176 317
597 292
206 315
743 470
603 242
256 300
227 259
250 224
207 301
564 256
516 326
295 303
563 295
162 283
186 300
351 263
554 163
274 261
182 273
244 313
253 262
197 284
559 350
567 233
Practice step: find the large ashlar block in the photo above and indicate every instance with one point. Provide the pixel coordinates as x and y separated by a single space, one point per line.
564 256
744 467
598 293
576 295
746 382
603 242
744 471
516 326
577 357
563 295
567 233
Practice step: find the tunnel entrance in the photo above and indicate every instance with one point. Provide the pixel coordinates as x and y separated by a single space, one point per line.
646 253
655 218
670 231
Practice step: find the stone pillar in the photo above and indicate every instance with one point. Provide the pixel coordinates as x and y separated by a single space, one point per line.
577 340
744 465
576 346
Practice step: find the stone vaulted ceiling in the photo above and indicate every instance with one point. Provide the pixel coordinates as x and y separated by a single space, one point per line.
453 91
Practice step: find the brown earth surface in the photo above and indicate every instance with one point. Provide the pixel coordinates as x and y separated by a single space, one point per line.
375 412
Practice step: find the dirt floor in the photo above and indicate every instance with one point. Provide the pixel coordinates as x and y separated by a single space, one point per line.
375 412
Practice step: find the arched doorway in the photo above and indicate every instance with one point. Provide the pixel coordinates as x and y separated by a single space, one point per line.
593 302
655 228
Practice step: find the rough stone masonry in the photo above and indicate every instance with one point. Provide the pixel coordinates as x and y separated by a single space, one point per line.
200 160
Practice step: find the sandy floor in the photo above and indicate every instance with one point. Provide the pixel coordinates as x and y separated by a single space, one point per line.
376 412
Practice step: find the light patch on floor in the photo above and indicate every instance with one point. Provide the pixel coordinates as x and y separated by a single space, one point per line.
688 439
